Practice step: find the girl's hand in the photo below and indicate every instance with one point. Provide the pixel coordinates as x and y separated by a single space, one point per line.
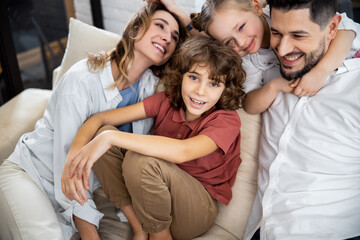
282 85
82 162
167 3
309 84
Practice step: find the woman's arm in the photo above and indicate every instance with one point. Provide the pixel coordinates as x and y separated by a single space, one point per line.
258 100
339 48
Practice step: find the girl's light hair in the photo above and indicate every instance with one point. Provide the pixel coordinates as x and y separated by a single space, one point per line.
202 20
223 64
123 54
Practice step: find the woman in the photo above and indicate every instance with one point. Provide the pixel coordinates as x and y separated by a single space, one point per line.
90 86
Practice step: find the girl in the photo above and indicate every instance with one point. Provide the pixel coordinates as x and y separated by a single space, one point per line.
173 177
90 86
244 26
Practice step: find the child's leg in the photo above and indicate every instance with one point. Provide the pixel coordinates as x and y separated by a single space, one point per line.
108 169
164 196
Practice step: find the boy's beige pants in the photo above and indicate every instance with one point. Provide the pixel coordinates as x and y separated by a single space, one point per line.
163 195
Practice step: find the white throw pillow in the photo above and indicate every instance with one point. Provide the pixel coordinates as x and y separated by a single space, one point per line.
83 39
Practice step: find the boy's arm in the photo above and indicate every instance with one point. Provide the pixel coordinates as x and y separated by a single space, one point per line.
169 149
84 135
114 117
339 48
258 100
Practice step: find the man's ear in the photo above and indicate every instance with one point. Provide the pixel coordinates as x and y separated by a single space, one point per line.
257 7
332 26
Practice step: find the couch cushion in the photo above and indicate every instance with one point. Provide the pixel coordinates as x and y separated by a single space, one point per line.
19 116
232 219
83 39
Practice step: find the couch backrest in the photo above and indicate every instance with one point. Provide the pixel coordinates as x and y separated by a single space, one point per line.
84 39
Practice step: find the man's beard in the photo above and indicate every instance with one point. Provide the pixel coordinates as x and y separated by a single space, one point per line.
311 60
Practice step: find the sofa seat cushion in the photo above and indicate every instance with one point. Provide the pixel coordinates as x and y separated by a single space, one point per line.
19 116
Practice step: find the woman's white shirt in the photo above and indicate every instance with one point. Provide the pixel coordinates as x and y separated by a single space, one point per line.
42 153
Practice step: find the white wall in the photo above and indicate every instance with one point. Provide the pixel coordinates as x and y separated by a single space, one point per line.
117 13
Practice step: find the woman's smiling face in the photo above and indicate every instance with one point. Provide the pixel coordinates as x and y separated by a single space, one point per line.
159 42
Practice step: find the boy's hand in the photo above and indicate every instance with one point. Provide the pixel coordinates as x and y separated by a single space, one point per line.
309 84
77 169
73 187
82 162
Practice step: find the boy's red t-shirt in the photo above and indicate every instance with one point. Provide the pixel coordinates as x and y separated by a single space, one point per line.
216 171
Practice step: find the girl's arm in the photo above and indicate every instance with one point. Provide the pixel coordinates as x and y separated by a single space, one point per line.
339 48
258 100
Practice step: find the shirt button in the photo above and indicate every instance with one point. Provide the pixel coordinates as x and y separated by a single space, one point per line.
179 135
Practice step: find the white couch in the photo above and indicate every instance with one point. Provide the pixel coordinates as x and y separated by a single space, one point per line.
20 114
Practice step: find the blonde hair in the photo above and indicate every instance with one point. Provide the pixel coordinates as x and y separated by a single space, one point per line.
123 54
202 20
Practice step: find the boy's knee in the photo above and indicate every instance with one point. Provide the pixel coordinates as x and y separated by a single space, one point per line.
133 164
137 167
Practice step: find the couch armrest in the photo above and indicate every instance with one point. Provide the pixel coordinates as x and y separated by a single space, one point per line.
19 116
